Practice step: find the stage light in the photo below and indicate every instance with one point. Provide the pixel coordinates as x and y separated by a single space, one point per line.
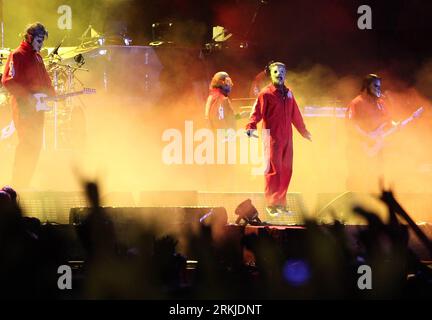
127 41
248 213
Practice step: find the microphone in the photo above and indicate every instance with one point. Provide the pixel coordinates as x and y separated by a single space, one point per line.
55 51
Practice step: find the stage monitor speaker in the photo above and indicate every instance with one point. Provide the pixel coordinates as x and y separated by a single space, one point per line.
163 216
118 199
168 198
340 207
51 206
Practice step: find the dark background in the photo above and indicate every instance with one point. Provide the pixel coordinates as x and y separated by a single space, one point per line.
302 33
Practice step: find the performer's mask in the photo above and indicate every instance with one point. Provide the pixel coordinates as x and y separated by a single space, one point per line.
375 88
277 74
37 42
227 85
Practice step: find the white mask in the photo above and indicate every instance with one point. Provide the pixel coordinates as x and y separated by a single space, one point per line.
375 88
277 75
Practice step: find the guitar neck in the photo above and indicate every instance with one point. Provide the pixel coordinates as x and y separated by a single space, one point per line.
64 96
406 121
401 125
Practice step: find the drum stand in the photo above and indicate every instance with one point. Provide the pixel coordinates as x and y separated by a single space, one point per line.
61 114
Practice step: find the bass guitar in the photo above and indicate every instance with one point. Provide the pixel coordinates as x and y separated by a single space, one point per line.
42 98
379 134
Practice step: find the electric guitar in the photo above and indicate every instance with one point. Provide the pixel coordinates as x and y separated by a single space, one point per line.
42 98
380 133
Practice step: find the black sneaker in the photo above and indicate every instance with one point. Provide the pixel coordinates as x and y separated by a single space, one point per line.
272 211
284 210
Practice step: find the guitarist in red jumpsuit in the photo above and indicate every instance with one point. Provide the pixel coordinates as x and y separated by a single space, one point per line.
278 110
366 116
24 75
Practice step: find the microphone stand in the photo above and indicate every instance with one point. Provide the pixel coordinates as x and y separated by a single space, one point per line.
259 5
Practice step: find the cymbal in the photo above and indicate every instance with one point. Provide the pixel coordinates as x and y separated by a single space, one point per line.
70 52
4 54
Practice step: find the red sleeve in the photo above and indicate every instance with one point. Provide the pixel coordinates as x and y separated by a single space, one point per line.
257 112
208 106
297 118
14 76
351 111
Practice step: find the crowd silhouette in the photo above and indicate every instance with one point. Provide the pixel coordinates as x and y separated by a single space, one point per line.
219 261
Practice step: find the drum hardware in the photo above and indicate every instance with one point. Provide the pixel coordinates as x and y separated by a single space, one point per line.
58 121
95 39
79 59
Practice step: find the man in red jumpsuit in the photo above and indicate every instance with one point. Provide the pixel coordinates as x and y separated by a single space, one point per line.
24 75
218 110
221 116
367 117
278 109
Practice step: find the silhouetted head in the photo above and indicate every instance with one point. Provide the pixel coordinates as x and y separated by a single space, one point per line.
11 192
5 199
